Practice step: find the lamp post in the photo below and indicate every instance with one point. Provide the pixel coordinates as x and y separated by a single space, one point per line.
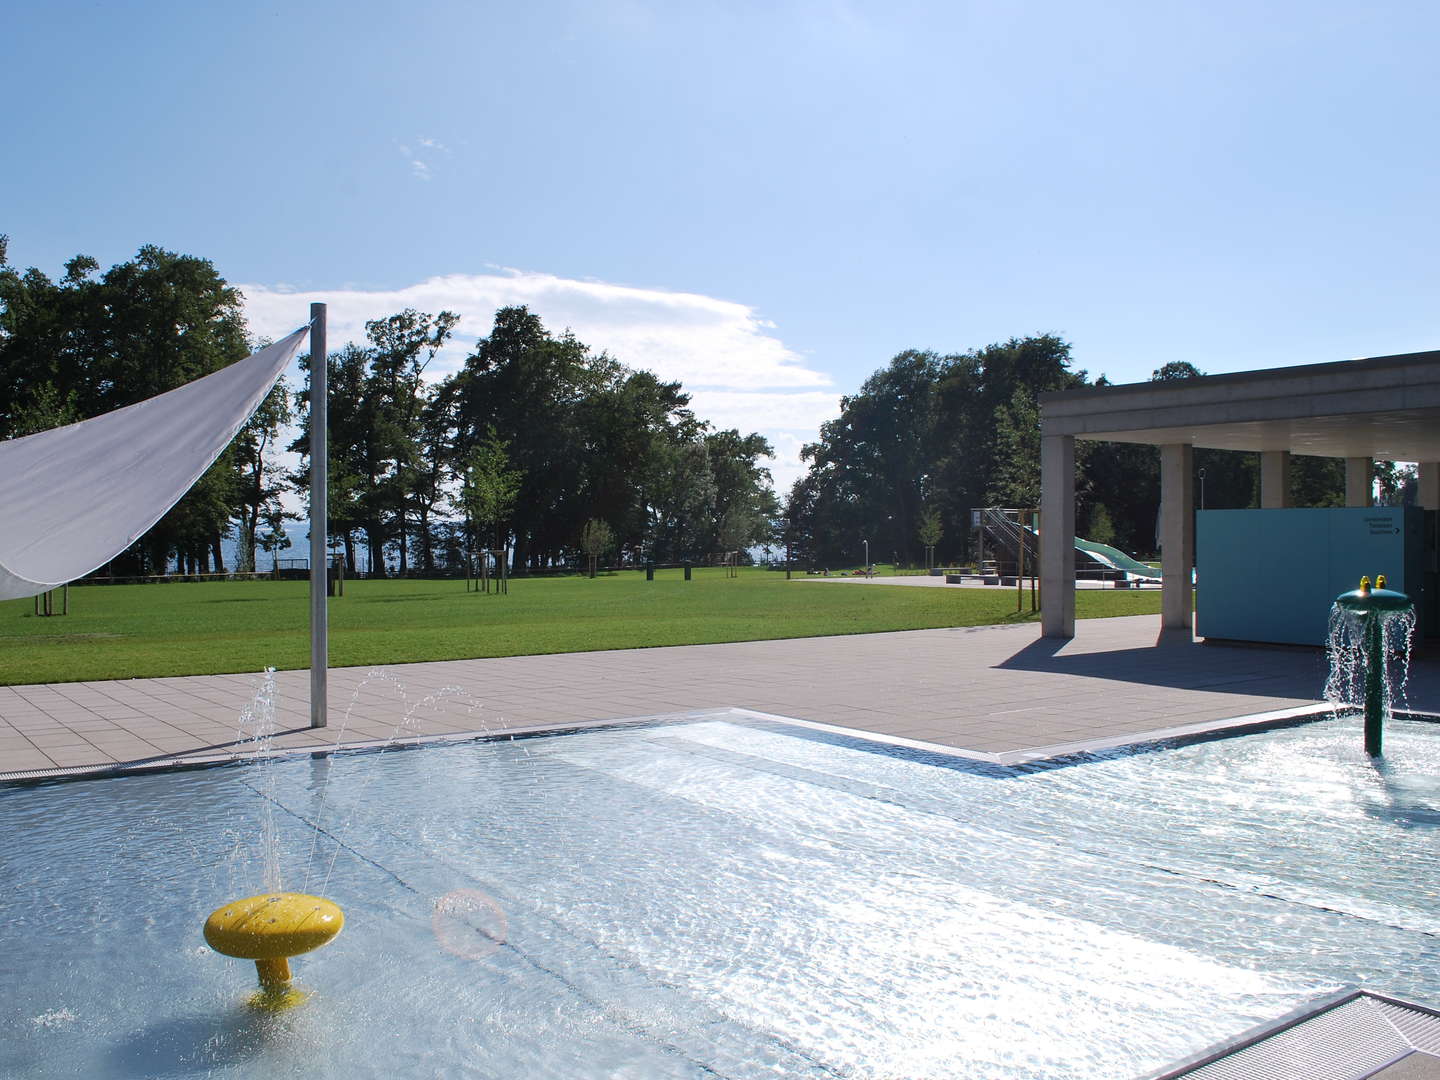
867 553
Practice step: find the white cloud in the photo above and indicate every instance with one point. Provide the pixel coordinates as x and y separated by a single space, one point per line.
738 372
420 167
786 466
801 411
700 340
788 420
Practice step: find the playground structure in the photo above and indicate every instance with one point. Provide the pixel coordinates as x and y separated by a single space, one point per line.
1008 541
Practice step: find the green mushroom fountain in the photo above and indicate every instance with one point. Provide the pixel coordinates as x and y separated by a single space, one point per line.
1366 626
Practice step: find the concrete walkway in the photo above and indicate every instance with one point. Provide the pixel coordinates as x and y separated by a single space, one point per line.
999 690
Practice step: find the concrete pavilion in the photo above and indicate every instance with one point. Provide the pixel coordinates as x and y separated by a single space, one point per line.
1382 408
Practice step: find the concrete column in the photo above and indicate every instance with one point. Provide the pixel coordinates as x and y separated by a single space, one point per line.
1177 535
1359 481
1274 479
1429 494
1057 536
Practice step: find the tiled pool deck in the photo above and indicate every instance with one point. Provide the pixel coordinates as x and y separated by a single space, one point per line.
998 690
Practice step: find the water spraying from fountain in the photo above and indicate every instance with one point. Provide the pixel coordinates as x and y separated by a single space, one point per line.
1368 627
275 925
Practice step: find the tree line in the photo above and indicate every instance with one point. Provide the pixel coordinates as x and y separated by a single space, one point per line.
538 446
930 437
543 448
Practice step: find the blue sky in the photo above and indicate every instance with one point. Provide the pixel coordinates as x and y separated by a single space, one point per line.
768 200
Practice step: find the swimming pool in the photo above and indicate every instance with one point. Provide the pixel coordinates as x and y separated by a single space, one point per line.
723 896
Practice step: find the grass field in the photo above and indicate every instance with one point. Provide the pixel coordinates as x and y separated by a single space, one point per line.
136 631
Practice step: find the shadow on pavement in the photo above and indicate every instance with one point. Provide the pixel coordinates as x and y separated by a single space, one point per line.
1176 661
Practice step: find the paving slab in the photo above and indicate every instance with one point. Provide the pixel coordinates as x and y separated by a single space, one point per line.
996 690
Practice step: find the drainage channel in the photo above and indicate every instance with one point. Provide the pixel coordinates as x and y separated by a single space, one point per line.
1353 1035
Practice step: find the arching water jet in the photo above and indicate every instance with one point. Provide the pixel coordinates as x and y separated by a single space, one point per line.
1367 626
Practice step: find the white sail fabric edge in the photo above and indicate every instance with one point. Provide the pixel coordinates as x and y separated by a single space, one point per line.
74 497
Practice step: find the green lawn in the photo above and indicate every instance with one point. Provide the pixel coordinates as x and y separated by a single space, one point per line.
134 631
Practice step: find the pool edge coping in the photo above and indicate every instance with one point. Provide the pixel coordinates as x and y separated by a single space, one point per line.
1261 1033
1236 725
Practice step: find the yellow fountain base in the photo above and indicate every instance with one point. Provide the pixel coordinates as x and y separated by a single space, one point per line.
270 929
277 999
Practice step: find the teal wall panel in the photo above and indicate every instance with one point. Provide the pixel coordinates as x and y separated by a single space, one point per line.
1271 575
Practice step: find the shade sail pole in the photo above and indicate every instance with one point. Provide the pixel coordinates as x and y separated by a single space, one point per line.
319 516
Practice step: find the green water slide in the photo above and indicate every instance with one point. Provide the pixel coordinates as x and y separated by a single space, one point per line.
1110 557
1117 559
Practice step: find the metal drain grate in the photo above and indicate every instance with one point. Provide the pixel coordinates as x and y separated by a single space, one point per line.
1352 1036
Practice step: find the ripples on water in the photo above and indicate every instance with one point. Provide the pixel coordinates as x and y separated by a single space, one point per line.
710 898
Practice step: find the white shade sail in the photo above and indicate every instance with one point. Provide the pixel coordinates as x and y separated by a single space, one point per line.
74 497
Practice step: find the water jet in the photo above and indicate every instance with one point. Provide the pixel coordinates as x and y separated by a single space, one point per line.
1373 620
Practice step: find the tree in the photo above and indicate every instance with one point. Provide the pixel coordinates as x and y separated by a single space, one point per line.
259 483
1100 529
1175 369
798 523
402 346
87 344
44 409
929 533
272 537
430 468
527 386
595 440
386 454
745 503
596 539
737 529
489 490
1015 471
867 462
1396 484
352 461
621 426
1317 481
679 495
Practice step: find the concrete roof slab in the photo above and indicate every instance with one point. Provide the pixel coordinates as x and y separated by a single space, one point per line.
1384 407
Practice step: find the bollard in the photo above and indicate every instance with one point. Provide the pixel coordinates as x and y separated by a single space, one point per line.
687 571
649 571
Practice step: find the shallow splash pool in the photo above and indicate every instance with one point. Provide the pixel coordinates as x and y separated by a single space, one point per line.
723 897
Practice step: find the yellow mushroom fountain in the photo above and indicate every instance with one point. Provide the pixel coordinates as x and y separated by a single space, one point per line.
270 929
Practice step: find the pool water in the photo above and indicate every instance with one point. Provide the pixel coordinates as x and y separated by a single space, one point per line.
723 897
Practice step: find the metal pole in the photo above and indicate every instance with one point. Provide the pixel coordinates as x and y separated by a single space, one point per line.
1374 683
319 517
1020 565
1042 580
